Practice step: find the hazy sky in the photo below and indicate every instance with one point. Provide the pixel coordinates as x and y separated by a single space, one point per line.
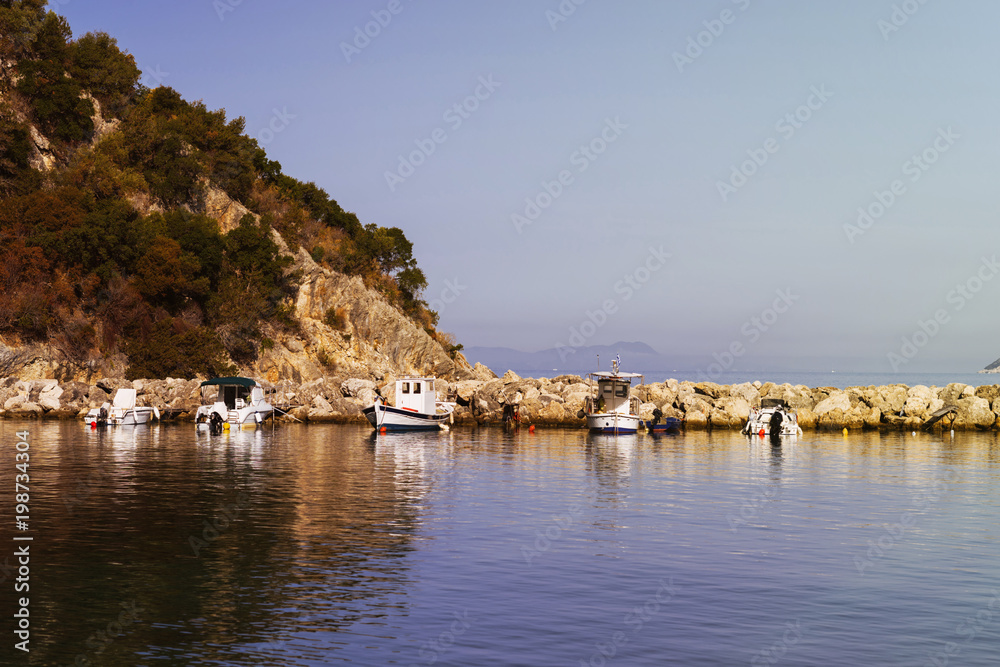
739 137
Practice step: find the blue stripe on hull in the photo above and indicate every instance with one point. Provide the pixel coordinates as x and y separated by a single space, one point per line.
611 430
426 422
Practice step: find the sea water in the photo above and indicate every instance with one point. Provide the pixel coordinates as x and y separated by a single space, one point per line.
839 380
325 544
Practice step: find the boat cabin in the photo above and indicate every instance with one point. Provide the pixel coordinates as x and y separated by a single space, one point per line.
613 393
236 392
416 394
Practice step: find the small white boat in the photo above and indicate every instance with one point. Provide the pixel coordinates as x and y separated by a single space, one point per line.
121 412
612 409
416 409
238 402
760 419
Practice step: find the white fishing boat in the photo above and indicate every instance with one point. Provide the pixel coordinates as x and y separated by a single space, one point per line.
759 422
122 411
237 402
417 408
612 408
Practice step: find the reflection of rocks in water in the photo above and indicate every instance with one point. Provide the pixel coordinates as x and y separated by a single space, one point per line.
318 526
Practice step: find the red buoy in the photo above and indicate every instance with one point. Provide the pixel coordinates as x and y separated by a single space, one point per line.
761 434
385 430
531 429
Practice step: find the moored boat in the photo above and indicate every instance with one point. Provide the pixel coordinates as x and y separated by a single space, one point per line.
121 412
416 409
612 408
238 402
760 419
660 424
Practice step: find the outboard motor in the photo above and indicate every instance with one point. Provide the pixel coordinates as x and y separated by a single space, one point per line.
102 416
774 427
215 424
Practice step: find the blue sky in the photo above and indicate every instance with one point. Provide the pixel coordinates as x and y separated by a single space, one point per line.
588 144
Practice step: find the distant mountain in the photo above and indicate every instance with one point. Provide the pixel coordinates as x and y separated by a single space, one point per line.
992 368
634 356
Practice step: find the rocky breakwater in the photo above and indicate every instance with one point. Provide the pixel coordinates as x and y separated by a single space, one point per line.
558 401
543 401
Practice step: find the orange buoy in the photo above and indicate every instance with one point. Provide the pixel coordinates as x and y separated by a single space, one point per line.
531 429
383 430
761 434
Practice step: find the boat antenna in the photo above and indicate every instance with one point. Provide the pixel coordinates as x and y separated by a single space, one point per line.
598 362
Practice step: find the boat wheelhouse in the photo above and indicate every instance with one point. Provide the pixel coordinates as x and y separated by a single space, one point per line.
238 401
417 407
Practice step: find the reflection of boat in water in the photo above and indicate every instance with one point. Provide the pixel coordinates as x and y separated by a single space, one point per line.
612 409
416 409
759 422
121 412
239 402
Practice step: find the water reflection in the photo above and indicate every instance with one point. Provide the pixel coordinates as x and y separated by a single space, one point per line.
309 545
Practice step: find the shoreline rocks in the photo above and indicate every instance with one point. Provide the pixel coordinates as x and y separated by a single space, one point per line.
543 401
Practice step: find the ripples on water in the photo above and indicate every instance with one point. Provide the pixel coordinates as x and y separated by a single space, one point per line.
325 544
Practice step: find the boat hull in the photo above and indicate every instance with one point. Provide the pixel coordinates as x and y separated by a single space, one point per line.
668 425
612 422
388 418
132 417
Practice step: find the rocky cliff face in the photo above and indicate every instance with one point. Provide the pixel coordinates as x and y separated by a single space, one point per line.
376 340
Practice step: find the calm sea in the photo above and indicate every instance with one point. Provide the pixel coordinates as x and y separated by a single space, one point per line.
324 545
810 379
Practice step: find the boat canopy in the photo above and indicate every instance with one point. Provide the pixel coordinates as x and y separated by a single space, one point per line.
229 381
610 375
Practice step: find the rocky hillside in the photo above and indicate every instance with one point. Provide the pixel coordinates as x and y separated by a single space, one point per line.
143 236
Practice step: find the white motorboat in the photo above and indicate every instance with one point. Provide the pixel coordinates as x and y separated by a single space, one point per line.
417 408
122 411
238 402
612 409
760 419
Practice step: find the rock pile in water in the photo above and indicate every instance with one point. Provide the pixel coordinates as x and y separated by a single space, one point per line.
544 401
